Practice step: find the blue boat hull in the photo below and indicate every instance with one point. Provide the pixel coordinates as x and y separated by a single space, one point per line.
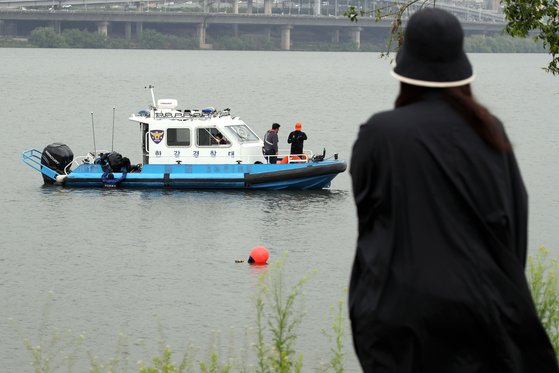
314 175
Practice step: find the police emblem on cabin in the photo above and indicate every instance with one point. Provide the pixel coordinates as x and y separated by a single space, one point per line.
156 135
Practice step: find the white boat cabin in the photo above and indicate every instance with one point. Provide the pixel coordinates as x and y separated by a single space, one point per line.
208 136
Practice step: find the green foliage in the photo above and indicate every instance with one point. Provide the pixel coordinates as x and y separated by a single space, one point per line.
151 39
214 366
393 11
46 37
117 43
115 364
542 276
283 319
244 42
83 39
324 46
164 363
54 349
524 18
13 43
501 44
338 327
539 18
279 311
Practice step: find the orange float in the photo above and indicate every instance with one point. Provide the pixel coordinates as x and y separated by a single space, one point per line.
258 256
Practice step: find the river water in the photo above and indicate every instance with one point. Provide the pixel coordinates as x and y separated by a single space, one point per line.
131 269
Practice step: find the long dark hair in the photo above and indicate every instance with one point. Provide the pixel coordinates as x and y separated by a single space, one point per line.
462 100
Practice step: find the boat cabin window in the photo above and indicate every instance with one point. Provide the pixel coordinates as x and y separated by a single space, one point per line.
211 137
242 133
178 136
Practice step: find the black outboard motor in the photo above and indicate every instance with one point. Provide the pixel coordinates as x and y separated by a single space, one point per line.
56 156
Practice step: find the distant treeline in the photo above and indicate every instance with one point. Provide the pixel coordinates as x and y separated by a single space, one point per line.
47 37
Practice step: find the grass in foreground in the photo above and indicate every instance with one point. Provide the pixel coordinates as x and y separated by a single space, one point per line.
279 313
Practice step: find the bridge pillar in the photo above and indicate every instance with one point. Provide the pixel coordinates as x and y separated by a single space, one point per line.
249 6
201 32
56 26
103 28
235 6
336 36
316 8
356 37
128 30
139 29
286 37
267 6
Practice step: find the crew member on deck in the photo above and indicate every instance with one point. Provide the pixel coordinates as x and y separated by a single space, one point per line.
296 139
271 144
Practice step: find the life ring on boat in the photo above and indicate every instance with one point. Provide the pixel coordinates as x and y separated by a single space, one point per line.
108 179
289 158
242 133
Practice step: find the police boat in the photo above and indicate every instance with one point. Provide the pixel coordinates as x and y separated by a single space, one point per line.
190 149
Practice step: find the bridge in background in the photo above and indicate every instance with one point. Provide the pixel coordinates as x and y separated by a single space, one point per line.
121 23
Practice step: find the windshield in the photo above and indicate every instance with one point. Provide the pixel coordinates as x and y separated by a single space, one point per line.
243 133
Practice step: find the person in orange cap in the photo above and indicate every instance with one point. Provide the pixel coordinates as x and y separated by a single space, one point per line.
296 139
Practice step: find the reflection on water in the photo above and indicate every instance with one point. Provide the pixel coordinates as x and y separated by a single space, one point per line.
257 270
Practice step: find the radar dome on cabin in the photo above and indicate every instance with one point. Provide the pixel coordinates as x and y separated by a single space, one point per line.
167 103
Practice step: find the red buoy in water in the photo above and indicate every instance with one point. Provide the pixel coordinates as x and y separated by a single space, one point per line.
259 255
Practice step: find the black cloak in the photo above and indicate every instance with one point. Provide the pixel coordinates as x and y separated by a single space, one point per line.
438 280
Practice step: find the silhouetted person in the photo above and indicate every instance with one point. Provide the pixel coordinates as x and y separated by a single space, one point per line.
438 279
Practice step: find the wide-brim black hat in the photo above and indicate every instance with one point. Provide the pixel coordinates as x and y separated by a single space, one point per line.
432 54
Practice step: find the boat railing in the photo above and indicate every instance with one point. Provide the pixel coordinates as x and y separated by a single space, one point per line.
84 159
32 158
283 157
188 114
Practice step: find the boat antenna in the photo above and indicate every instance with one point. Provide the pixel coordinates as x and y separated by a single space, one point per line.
151 87
93 127
113 139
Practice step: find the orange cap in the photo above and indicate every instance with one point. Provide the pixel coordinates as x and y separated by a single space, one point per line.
298 126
